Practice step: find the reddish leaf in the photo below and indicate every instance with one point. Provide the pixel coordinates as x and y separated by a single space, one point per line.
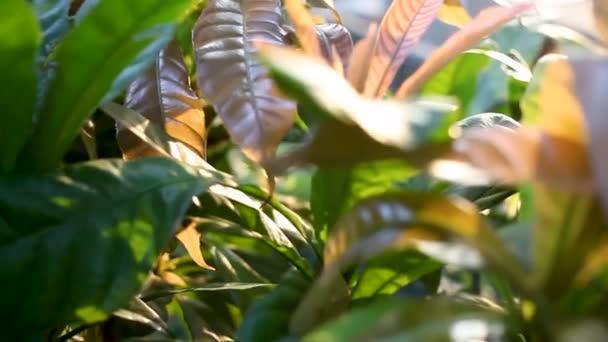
488 21
401 29
232 78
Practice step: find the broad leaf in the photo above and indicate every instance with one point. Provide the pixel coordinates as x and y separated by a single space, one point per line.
458 79
334 191
232 78
336 36
136 33
488 21
436 319
84 239
19 39
347 133
397 222
163 95
402 27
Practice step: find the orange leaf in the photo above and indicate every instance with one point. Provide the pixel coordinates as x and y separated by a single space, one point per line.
191 239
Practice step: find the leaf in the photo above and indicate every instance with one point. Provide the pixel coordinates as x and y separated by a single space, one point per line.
132 39
329 4
452 12
304 26
402 27
458 79
273 311
334 191
191 240
437 319
347 133
232 78
163 95
396 222
338 37
19 39
554 79
94 232
488 21
505 156
589 82
387 274
209 287
54 22
361 57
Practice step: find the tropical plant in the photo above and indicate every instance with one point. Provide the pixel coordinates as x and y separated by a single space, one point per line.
240 169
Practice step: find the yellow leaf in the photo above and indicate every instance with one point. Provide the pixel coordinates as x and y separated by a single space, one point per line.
452 12
191 239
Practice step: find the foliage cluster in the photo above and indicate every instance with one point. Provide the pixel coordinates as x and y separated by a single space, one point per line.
467 202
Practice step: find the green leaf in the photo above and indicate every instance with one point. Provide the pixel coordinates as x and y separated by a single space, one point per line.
85 238
209 287
334 191
387 274
437 319
403 221
93 61
268 319
458 79
19 39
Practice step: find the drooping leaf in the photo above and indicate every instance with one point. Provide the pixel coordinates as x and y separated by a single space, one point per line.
134 36
347 133
19 39
361 57
163 95
92 234
234 81
436 319
488 21
191 240
402 27
336 36
452 12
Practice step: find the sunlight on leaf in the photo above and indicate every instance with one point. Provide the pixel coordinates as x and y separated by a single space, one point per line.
488 21
401 29
191 240
234 81
452 12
